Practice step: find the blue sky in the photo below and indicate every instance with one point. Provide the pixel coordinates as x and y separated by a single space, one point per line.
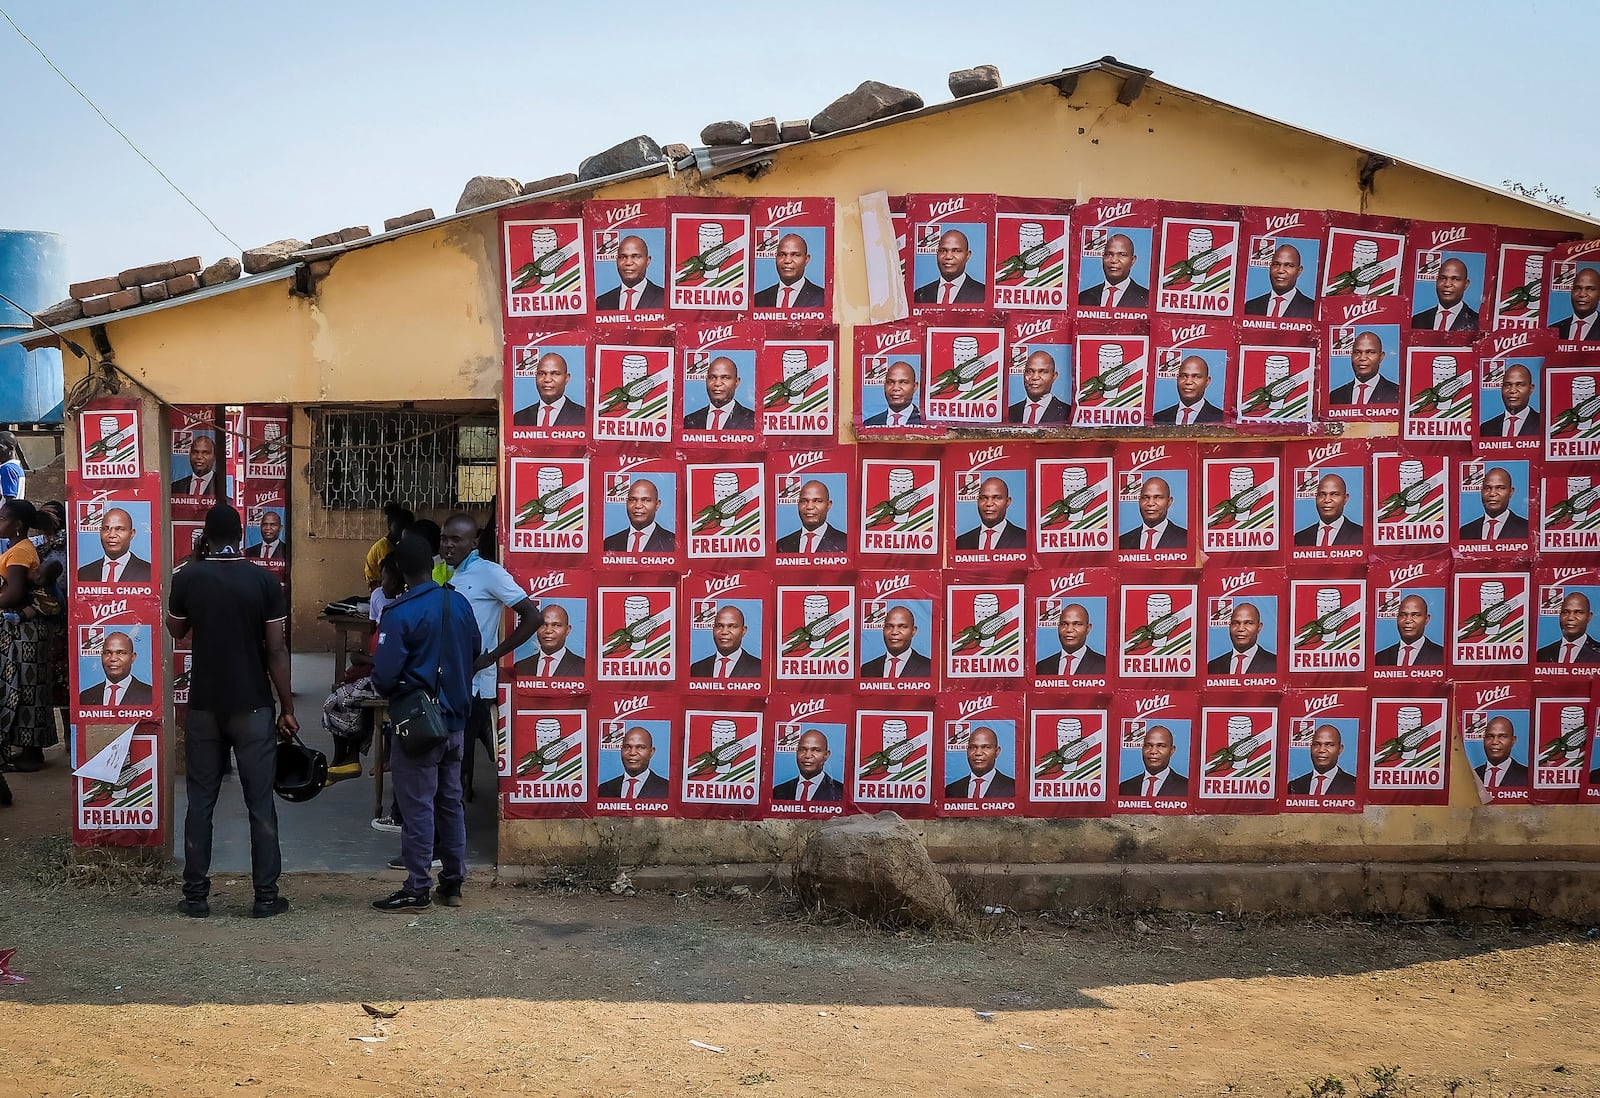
298 118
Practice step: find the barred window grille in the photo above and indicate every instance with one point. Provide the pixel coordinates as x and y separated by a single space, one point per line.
427 460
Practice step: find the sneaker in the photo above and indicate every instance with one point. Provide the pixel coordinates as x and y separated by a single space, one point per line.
449 894
403 901
195 909
266 909
400 864
386 823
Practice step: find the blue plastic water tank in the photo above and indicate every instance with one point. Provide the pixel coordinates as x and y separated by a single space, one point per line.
33 274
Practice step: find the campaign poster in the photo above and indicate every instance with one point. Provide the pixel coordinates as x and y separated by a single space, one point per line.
900 624
185 535
547 385
1565 631
1194 368
793 268
1410 618
889 377
1409 756
265 443
118 787
902 232
1155 756
1440 393
1326 750
636 743
1494 501
266 533
1275 383
198 462
1199 262
1073 628
1072 516
900 500
502 730
984 640
114 545
811 760
1328 625
1328 479
727 511
1039 374
232 433
980 736
987 506
182 672
966 374
559 657
1362 381
1492 628
722 755
1158 494
1560 748
811 506
1363 264
1242 503
1245 611
815 634
109 442
1572 425
1159 631
635 388
550 513
1412 494
895 760
1112 375
550 765
642 509
726 623
720 387
116 661
1591 791
1496 723
1569 510
1510 371
628 257
797 375
1572 291
1030 248
1519 278
636 632
711 255
1452 278
546 269
950 252
1069 772
1282 258
1241 757
1114 242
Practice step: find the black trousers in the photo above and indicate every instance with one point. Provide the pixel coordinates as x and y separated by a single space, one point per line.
480 726
254 741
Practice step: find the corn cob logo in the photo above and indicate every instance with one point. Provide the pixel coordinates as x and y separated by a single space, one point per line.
1521 294
1238 745
1411 492
1083 497
1112 372
109 438
545 259
965 365
127 803
1362 264
1069 746
1275 383
894 749
1407 736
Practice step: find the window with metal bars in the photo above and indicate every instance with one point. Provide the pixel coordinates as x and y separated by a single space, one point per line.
426 460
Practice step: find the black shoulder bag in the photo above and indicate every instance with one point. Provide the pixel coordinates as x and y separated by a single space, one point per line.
418 721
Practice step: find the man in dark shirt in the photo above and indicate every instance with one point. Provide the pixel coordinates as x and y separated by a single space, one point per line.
235 610
428 643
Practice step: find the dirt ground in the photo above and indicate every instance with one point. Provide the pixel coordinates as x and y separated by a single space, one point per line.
540 991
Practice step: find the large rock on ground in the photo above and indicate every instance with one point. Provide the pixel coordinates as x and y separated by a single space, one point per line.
868 103
636 152
485 190
876 867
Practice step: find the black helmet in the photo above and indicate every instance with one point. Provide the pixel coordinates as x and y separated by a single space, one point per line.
301 771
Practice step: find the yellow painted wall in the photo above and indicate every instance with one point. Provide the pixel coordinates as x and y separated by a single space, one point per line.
417 318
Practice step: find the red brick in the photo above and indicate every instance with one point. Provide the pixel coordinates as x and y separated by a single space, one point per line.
183 284
97 306
125 299
82 290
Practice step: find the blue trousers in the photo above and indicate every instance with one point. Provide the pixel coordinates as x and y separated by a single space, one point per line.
428 791
255 745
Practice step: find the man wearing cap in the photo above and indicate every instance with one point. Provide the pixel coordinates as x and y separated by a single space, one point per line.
234 611
428 640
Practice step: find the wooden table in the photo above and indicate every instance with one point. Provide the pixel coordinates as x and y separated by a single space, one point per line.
379 707
347 626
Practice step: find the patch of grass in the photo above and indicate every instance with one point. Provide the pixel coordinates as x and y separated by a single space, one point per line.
752 1080
55 863
1329 1086
1387 1082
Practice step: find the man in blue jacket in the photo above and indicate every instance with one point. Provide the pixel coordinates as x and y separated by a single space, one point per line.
428 640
